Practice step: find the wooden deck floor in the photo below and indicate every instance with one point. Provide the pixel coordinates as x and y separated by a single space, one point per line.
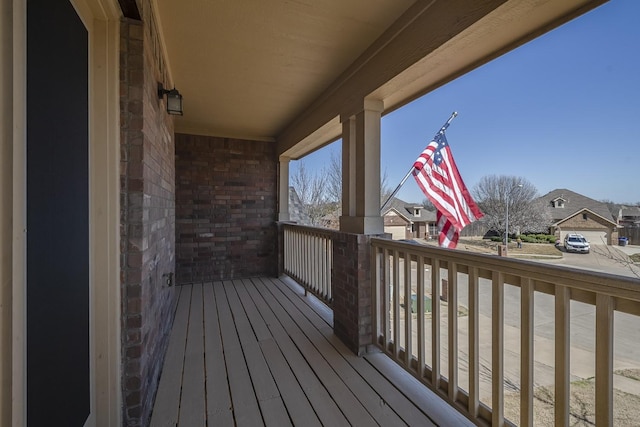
258 352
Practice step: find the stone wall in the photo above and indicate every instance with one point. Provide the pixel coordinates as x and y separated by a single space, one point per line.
226 196
147 232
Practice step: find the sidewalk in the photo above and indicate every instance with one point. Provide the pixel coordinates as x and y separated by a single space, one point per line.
629 249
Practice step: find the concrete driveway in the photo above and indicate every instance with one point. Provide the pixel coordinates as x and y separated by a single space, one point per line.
606 259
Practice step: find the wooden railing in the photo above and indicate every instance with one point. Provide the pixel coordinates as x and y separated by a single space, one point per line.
474 321
308 258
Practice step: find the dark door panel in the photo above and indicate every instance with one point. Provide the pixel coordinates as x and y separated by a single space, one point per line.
58 385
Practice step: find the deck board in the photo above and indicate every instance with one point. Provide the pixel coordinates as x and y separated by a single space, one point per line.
373 390
348 403
167 405
388 392
245 405
192 411
324 406
367 396
259 352
264 385
218 397
300 409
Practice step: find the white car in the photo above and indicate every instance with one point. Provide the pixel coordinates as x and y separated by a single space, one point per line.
576 243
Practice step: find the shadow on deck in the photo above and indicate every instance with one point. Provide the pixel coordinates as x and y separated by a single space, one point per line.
258 352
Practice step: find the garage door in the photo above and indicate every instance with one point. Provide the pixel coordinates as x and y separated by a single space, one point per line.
397 231
594 237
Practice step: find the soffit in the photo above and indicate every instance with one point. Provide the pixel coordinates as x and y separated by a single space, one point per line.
285 70
247 68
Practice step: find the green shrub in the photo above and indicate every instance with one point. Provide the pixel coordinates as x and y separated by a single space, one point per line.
530 238
538 238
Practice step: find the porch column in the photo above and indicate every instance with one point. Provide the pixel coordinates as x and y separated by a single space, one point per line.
351 273
361 170
283 190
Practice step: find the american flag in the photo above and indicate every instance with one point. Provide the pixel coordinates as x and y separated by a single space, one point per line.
437 176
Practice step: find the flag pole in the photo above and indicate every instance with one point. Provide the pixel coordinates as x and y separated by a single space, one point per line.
442 129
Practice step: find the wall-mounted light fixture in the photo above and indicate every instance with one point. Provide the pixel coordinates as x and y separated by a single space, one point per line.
174 99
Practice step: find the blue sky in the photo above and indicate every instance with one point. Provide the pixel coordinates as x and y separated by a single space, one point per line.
562 111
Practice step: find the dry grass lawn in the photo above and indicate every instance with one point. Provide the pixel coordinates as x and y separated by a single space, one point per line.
530 250
626 407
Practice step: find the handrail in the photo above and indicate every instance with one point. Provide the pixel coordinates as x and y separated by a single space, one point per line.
408 278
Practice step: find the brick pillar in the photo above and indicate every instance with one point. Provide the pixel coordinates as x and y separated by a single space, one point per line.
352 295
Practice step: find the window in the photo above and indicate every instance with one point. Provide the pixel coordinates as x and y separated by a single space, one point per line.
584 216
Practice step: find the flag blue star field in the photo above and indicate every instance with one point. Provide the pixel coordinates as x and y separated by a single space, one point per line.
437 175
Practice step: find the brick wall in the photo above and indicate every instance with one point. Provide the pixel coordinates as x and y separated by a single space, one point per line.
147 231
394 220
580 223
351 281
226 195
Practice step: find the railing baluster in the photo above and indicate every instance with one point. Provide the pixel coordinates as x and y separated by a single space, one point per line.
376 280
526 353
387 299
320 267
307 258
435 323
329 257
296 255
396 305
604 360
327 267
315 266
452 298
474 348
408 317
562 338
324 290
421 310
497 349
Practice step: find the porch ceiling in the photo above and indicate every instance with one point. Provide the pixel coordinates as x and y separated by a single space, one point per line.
283 70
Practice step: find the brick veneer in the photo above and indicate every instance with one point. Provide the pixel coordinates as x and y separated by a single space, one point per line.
226 192
351 281
147 230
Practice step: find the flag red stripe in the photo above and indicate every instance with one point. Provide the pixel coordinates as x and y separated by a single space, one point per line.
444 187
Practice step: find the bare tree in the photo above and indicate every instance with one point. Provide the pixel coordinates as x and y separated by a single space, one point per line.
526 213
385 190
334 178
312 191
618 257
428 204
